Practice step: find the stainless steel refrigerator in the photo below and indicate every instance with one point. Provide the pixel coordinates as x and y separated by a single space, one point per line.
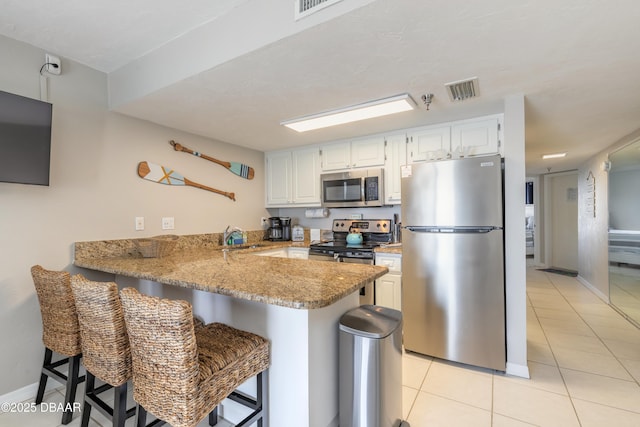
453 299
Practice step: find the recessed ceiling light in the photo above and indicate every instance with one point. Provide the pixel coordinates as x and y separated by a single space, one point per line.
553 156
368 110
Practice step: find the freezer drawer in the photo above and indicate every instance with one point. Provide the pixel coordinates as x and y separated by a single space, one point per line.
453 296
462 193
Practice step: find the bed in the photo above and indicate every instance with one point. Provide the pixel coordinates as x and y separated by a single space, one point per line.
529 235
624 246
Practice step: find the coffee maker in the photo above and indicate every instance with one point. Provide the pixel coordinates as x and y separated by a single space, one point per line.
275 229
279 228
285 223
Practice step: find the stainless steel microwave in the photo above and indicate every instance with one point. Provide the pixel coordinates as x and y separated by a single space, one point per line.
357 188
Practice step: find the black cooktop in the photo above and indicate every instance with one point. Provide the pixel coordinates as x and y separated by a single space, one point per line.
343 245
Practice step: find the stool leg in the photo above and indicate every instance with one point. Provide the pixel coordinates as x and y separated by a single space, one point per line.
141 416
86 409
120 405
72 385
213 417
263 391
48 354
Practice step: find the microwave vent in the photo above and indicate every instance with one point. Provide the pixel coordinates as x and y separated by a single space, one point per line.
462 89
307 7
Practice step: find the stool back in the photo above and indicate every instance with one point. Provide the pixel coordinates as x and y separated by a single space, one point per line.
164 354
105 344
60 328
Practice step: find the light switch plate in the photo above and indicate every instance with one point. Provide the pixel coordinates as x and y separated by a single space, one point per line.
139 223
168 223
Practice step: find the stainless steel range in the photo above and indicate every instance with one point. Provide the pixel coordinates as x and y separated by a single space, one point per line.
375 232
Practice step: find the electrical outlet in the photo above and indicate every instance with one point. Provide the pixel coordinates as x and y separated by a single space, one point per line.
139 223
52 64
263 221
168 223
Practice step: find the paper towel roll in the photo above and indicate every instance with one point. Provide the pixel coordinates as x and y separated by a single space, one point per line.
316 213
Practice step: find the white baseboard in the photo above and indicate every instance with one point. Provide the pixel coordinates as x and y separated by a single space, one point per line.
518 370
28 392
593 289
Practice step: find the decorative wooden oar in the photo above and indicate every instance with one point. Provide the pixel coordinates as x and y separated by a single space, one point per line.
239 169
164 175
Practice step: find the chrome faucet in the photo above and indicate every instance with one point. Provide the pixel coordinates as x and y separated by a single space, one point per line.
227 232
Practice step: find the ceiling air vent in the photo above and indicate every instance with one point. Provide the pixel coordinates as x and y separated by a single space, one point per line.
462 89
307 7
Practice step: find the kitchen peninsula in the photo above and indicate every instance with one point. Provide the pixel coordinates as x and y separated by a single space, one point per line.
294 303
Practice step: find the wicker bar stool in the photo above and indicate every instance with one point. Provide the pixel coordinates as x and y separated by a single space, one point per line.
105 348
60 333
180 374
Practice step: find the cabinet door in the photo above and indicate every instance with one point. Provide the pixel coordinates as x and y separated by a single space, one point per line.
392 261
396 157
429 143
367 152
389 291
476 137
278 179
306 176
336 156
275 253
298 253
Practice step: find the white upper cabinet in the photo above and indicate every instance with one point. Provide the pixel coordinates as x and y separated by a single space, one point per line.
396 157
367 152
476 137
306 176
279 178
473 137
359 153
336 156
424 144
293 177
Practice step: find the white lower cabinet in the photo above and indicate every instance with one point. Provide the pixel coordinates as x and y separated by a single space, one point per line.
276 253
389 287
298 253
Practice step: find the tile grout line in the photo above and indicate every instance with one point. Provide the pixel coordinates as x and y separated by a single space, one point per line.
591 373
564 381
602 341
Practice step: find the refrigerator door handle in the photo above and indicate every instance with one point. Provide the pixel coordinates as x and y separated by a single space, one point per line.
422 229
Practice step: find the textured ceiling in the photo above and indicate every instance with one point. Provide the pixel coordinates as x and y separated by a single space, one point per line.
575 61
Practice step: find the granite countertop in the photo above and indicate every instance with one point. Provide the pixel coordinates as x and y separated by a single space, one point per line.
295 283
394 248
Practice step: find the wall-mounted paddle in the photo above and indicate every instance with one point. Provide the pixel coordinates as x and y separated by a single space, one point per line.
165 175
239 169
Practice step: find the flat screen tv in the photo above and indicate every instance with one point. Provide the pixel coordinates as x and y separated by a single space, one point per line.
25 139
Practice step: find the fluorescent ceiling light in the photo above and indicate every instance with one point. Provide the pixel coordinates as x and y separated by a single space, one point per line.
553 156
368 110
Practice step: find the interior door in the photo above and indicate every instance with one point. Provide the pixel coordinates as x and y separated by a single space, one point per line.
563 224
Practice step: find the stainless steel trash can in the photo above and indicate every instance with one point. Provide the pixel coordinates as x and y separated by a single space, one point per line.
370 367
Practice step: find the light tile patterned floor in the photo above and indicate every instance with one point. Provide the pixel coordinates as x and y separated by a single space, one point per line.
584 360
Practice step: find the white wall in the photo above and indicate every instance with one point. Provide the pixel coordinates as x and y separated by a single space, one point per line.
95 194
593 256
515 253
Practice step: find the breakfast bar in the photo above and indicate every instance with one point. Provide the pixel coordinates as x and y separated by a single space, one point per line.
294 303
